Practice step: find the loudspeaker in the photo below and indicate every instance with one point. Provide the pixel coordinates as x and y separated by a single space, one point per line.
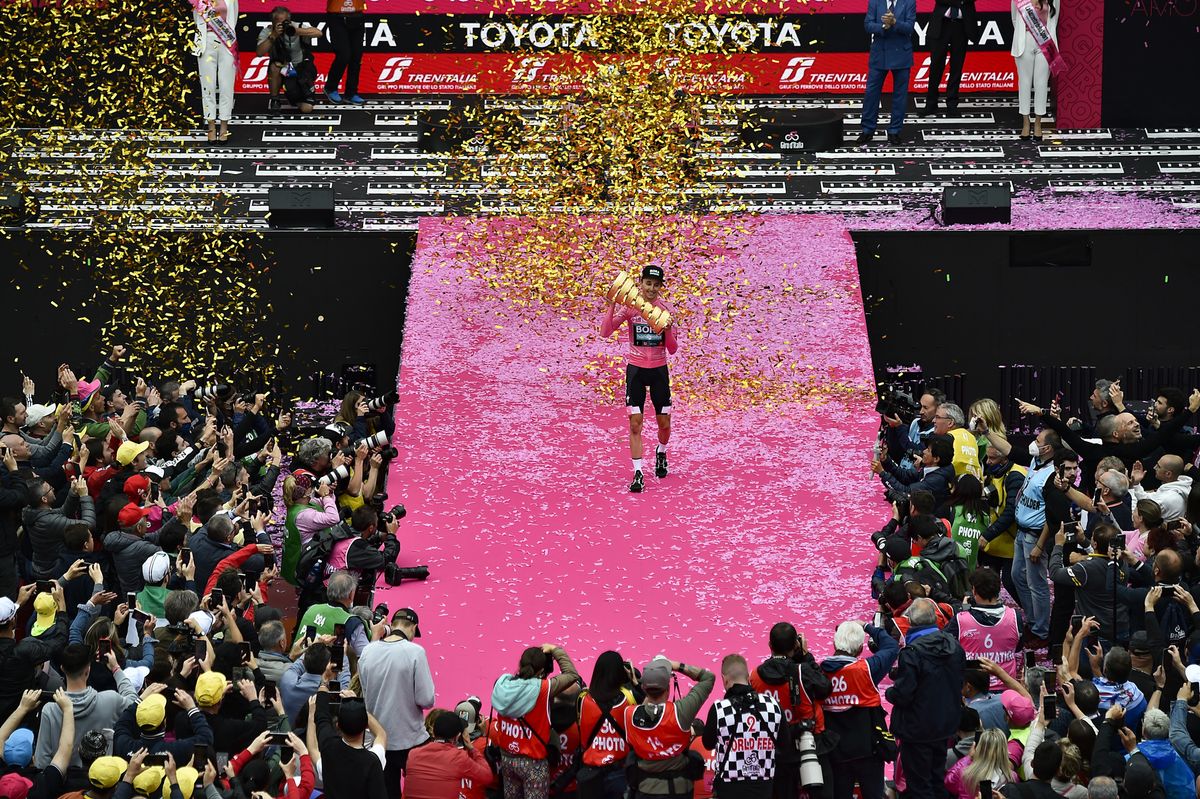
790 130
976 205
300 208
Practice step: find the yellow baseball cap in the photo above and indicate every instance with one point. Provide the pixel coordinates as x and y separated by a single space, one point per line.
45 607
210 688
149 781
152 711
187 777
105 772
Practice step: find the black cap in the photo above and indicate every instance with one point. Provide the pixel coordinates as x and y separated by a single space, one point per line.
409 615
448 725
653 271
897 548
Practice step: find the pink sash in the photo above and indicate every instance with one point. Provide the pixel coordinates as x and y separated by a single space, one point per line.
217 24
1041 35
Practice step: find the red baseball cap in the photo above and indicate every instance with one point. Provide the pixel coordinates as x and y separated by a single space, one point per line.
131 514
136 487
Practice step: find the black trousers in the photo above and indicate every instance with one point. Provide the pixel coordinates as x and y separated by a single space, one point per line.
346 35
396 760
1003 567
867 773
924 769
954 39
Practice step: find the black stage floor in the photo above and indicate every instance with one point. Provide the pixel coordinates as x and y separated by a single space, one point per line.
384 183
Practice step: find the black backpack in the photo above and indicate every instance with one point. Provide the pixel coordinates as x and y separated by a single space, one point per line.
314 556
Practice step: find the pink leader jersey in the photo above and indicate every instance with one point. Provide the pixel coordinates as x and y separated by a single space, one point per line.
647 349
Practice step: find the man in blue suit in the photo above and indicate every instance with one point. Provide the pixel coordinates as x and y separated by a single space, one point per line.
890 23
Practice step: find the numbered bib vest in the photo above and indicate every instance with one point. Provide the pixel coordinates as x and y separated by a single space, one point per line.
664 740
966 453
782 694
609 745
568 745
997 643
746 739
852 687
516 738
967 531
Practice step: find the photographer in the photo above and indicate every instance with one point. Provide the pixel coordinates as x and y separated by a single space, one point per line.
902 440
370 553
1092 578
794 678
292 66
936 473
436 770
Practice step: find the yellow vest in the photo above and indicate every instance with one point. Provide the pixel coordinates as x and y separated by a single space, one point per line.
1002 546
966 453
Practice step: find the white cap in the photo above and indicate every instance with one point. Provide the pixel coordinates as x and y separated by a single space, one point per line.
154 471
8 610
36 413
155 567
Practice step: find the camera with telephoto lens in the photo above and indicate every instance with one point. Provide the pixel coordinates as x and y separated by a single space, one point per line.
381 402
396 513
393 574
289 29
990 495
218 391
898 404
378 440
340 473
806 745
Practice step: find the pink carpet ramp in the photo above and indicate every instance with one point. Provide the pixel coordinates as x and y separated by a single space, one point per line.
515 469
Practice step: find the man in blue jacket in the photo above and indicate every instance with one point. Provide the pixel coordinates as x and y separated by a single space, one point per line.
890 23
926 699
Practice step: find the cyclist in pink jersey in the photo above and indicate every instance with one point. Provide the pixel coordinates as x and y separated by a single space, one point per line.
646 369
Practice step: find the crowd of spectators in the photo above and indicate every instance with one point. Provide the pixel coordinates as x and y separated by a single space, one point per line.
1036 632
146 544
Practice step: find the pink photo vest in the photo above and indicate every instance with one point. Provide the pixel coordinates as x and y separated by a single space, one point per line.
337 554
997 643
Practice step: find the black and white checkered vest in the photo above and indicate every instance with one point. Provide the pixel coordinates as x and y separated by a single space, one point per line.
747 730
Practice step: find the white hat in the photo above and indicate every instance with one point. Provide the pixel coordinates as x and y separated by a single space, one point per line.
36 413
8 610
155 568
154 471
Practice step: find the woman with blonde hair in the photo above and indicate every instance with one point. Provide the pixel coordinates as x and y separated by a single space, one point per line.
988 413
987 760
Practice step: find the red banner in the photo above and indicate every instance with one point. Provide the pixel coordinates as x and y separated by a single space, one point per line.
757 73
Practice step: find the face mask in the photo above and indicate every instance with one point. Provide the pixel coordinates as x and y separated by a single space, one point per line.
1034 450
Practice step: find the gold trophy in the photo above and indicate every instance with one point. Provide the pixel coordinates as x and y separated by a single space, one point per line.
624 291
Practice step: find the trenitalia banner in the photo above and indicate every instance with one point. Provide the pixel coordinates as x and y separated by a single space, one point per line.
760 73
788 47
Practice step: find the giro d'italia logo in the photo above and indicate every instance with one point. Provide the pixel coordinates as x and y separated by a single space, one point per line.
791 141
